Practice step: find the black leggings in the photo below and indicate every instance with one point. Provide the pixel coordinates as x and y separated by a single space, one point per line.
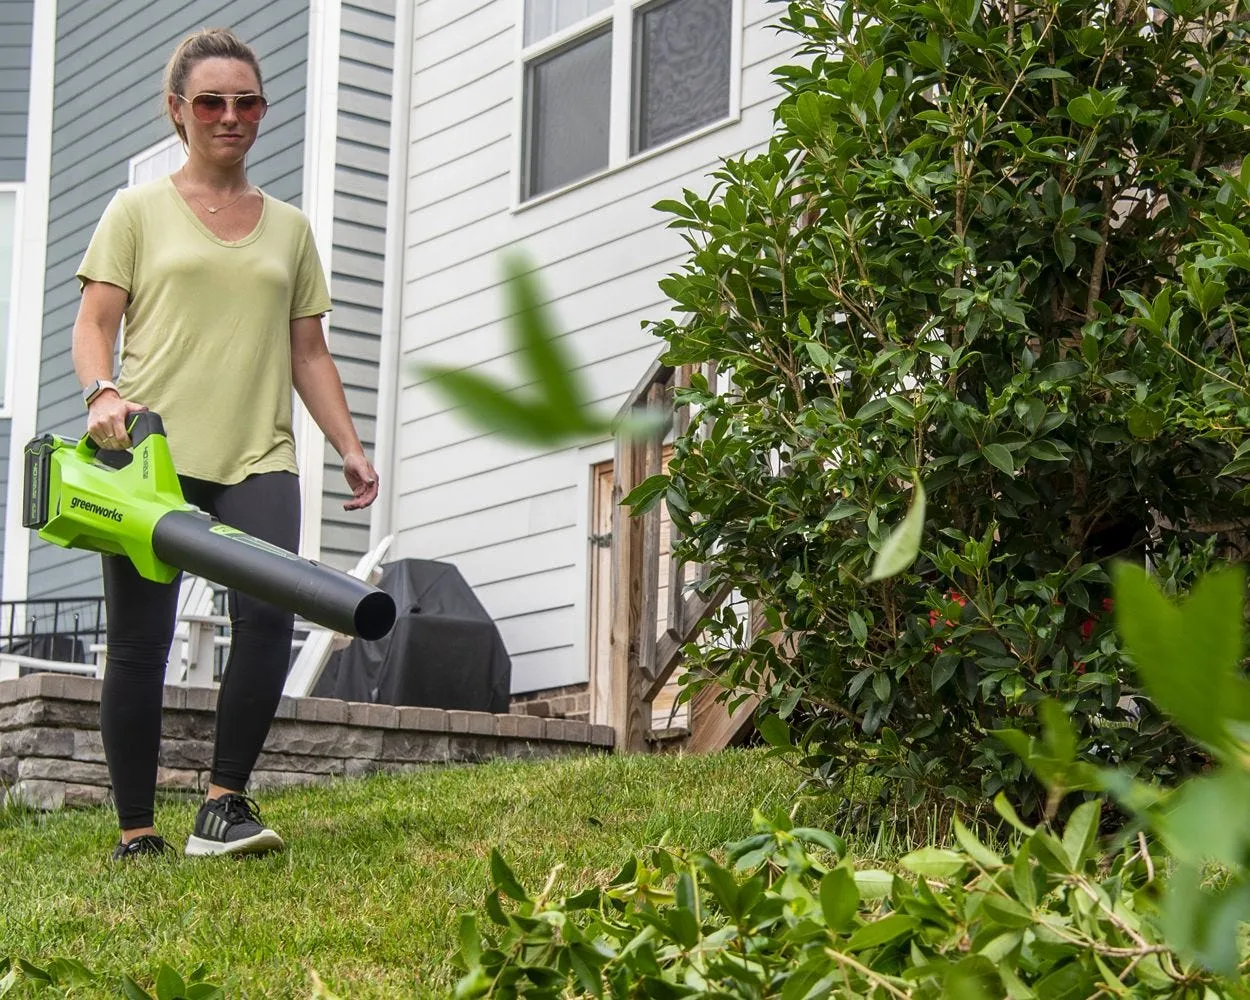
141 620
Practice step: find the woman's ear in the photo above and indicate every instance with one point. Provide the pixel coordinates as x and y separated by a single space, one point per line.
175 108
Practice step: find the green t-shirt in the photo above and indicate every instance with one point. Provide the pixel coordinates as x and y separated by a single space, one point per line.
208 325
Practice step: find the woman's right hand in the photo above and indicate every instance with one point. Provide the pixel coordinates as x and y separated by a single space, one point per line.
107 418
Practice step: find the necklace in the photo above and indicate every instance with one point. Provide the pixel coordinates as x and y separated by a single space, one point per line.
219 208
214 211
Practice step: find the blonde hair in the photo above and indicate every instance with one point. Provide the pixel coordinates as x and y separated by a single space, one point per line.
208 43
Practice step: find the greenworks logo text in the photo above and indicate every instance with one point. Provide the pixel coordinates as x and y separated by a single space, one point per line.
94 508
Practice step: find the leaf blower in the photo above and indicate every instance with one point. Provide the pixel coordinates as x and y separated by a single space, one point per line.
130 503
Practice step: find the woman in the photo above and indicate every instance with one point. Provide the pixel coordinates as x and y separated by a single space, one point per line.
223 295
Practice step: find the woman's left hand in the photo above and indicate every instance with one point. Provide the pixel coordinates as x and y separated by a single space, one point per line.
361 478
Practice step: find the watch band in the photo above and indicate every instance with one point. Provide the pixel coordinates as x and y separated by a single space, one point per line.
95 388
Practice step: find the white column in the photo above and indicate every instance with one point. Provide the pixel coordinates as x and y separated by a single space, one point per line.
321 108
385 460
32 255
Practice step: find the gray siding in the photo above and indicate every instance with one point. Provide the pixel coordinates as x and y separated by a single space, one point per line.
15 27
110 57
360 215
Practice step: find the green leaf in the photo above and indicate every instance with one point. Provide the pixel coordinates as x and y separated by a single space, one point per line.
976 850
881 931
1046 451
488 405
1065 247
1007 811
1082 110
205 991
999 457
820 357
1047 73
581 958
874 883
1022 878
33 972
646 494
934 862
775 731
169 984
859 628
470 943
1007 911
133 990
823 838
503 878
1145 423
903 546
1207 819
943 670
839 898
1188 656
537 341
1081 832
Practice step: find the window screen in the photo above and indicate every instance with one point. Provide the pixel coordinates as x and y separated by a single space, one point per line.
681 68
566 110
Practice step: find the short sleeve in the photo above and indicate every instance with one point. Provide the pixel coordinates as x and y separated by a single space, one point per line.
310 296
110 255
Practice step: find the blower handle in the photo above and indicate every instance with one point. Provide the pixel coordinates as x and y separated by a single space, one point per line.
141 424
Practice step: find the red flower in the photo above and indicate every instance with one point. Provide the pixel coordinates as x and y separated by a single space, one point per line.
1108 604
1079 666
1087 629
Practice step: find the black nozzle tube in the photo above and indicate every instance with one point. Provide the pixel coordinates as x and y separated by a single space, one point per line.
198 544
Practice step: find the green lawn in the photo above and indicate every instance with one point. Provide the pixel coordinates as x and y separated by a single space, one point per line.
377 870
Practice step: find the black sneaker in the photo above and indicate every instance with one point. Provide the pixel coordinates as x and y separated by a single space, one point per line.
231 825
147 844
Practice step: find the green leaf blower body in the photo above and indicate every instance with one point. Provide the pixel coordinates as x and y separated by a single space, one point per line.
130 503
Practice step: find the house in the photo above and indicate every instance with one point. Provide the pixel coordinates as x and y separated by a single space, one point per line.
422 140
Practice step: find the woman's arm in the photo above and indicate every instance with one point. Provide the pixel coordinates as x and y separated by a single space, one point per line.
317 381
95 336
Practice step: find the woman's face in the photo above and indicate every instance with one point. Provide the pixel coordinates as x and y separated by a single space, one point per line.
226 140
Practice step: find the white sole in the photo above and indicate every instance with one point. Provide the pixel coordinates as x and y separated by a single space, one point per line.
264 841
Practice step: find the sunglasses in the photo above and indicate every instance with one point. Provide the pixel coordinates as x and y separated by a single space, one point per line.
250 108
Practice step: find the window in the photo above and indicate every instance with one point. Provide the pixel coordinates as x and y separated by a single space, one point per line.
606 80
9 222
157 161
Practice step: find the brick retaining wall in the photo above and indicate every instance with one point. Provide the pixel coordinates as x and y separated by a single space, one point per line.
51 755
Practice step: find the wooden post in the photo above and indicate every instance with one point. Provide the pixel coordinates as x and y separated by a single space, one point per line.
652 465
627 707
676 570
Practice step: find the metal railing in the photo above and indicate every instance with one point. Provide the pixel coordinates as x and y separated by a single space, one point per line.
53 628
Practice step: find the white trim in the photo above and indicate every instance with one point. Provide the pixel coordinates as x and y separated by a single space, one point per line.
620 110
588 456
156 149
15 297
321 109
32 274
390 373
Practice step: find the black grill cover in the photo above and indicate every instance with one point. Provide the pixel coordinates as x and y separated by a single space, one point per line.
444 651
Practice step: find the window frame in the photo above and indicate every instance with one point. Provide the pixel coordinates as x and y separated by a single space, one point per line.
620 15
18 189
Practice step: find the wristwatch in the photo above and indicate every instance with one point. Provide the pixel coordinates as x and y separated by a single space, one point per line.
95 388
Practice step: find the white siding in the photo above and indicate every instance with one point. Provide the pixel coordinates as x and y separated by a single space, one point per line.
515 520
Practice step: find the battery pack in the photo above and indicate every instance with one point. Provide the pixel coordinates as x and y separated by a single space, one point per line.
36 481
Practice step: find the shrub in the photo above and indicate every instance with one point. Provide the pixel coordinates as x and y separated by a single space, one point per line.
997 248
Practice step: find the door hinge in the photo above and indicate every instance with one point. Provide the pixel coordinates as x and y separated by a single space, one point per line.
603 541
